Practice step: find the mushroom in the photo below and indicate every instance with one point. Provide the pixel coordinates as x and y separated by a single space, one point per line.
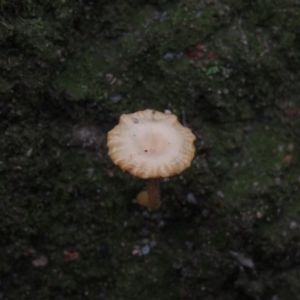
151 145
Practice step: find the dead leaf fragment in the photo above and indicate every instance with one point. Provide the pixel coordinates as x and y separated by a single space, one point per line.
288 159
196 52
71 255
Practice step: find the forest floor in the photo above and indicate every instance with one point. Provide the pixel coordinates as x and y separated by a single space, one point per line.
228 227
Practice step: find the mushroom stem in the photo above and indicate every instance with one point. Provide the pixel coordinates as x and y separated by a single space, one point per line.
153 193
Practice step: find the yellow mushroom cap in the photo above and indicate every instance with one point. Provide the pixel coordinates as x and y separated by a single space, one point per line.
151 144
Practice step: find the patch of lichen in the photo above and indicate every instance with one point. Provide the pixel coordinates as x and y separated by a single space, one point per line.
228 227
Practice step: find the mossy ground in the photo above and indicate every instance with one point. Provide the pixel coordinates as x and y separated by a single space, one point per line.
228 227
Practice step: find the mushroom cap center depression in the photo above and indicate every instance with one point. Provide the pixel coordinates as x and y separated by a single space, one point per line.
156 140
153 143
